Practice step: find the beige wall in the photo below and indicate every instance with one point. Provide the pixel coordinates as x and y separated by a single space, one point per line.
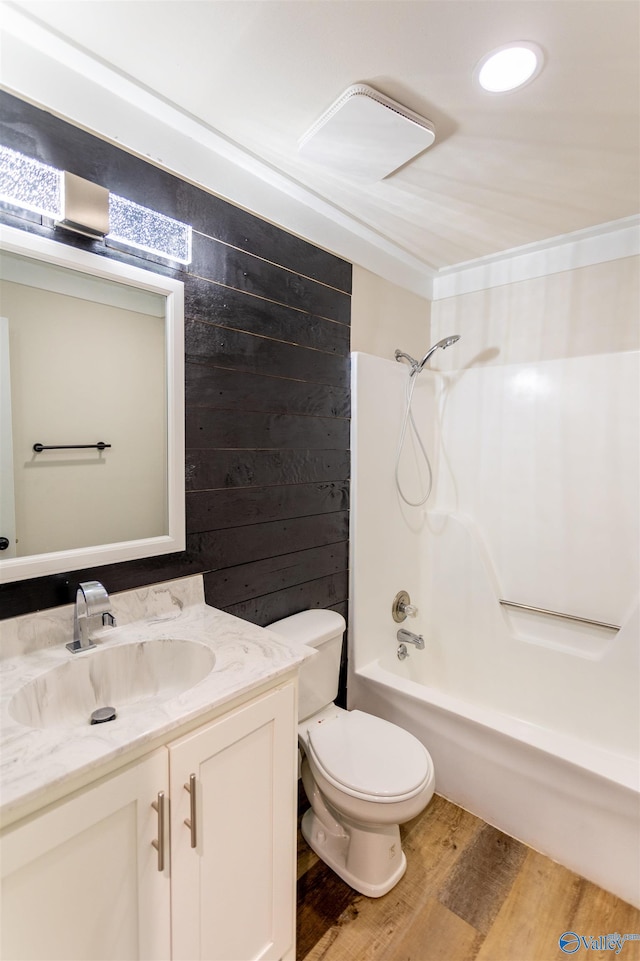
385 316
83 372
575 313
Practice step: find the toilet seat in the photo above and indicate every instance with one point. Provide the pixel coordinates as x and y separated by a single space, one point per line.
369 758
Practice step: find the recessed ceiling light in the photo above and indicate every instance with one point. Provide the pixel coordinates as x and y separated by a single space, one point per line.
509 67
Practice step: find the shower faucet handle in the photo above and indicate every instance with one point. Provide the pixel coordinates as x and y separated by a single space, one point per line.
402 607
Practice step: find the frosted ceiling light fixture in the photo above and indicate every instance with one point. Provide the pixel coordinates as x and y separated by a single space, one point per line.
509 67
366 135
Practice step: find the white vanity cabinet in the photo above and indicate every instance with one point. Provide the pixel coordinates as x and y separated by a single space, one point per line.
80 880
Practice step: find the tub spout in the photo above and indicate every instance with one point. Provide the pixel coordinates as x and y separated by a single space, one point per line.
407 637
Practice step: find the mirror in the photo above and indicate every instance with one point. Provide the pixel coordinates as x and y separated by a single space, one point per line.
91 409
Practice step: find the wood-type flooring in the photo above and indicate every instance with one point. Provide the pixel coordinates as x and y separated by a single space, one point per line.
470 893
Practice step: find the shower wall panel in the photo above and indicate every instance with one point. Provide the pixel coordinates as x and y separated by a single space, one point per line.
544 458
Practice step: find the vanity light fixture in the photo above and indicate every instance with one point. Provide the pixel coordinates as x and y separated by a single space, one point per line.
29 184
145 229
509 67
74 203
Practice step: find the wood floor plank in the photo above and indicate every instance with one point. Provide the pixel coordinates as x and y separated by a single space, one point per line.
600 913
322 900
537 911
440 935
483 877
546 900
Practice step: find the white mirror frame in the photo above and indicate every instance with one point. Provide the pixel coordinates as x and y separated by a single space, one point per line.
55 562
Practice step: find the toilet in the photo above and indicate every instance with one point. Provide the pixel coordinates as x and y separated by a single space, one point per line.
363 776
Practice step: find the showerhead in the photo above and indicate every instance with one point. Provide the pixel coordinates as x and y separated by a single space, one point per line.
444 343
416 366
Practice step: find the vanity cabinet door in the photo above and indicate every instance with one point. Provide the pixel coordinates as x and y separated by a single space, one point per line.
234 892
81 880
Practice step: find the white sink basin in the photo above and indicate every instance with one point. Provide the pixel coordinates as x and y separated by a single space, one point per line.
128 677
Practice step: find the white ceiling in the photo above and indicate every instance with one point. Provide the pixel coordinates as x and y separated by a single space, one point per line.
559 155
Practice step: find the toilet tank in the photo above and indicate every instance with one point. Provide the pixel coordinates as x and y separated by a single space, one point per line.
319 675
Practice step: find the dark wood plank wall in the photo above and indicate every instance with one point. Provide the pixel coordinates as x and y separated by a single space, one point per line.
267 392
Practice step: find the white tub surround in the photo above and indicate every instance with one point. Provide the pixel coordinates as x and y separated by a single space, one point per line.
38 765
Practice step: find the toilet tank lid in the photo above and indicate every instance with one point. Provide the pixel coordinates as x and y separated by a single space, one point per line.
310 627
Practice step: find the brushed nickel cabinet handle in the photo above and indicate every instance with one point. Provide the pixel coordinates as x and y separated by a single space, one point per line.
191 820
159 844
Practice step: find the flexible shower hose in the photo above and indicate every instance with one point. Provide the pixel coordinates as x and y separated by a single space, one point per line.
408 419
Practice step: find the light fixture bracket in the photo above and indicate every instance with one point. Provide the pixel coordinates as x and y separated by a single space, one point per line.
85 207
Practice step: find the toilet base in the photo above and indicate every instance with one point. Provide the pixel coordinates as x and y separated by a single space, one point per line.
369 860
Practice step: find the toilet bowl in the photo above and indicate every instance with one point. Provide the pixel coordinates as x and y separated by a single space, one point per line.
363 776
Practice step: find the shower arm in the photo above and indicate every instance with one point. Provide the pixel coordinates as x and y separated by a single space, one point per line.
400 355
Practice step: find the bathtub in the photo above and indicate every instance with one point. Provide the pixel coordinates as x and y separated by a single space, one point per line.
573 802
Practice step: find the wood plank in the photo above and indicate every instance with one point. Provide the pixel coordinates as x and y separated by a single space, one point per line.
219 388
221 347
206 428
215 550
483 877
440 935
210 302
240 270
215 510
235 584
225 222
321 592
320 891
545 901
212 469
599 913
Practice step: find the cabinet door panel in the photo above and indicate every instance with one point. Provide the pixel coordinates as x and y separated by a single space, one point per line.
234 893
80 881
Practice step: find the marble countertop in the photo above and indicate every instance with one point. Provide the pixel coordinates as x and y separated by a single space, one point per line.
35 763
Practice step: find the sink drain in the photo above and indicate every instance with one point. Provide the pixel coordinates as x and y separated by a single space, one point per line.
103 714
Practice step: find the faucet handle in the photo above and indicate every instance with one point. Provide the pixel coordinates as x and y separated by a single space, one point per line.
108 620
402 607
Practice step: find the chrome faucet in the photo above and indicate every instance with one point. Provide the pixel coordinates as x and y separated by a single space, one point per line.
92 601
407 637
